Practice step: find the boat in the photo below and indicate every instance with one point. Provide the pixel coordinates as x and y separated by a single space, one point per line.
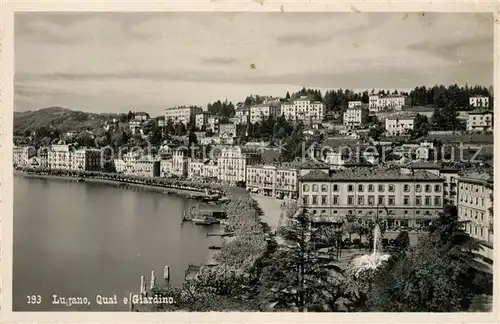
80 180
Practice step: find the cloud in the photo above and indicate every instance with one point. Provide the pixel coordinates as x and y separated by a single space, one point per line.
73 57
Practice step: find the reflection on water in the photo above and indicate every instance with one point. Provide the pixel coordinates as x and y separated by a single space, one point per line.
84 239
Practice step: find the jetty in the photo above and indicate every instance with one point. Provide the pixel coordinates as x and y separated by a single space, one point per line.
204 214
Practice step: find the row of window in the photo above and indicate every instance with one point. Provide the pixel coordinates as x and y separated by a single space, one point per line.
371 188
471 187
475 213
370 201
370 213
469 200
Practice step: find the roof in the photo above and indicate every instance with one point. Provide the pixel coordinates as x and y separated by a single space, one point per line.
480 112
423 165
401 117
371 174
478 177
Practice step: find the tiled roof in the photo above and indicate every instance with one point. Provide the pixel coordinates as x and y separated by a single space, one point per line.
371 174
484 177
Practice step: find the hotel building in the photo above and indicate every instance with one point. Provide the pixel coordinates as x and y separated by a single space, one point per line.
449 174
480 121
276 181
303 109
144 167
182 115
259 113
481 102
390 102
59 157
232 163
475 207
399 197
396 126
355 117
202 170
86 159
22 154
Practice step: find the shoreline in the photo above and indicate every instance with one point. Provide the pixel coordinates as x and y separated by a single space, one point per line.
188 194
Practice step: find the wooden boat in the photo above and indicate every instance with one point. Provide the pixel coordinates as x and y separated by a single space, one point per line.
80 180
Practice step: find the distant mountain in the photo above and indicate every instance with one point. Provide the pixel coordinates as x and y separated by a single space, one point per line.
57 117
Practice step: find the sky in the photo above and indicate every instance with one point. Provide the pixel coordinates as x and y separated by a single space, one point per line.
116 62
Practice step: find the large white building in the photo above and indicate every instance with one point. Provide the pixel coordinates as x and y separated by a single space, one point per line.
390 102
144 166
59 156
397 197
480 121
479 102
355 116
232 163
303 109
22 154
182 115
475 207
259 113
400 125
273 180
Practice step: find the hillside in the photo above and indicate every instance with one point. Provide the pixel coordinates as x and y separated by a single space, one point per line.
61 118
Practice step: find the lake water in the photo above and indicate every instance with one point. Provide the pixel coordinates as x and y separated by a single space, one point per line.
86 239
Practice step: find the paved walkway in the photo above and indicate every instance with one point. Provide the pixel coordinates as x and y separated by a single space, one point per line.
271 208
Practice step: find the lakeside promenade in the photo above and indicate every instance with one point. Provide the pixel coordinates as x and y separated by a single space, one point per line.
187 193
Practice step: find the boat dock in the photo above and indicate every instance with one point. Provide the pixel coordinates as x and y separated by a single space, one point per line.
204 214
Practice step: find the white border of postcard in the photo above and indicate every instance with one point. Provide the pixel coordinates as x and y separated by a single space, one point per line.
6 181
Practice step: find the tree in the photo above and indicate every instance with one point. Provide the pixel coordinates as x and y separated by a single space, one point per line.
299 276
433 276
402 241
287 97
421 127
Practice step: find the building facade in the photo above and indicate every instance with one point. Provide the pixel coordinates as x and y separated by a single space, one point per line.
242 114
399 198
143 167
259 113
480 121
182 115
355 117
479 102
475 207
275 181
232 164
86 159
22 154
229 129
303 109
397 126
180 162
59 157
390 102
201 120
